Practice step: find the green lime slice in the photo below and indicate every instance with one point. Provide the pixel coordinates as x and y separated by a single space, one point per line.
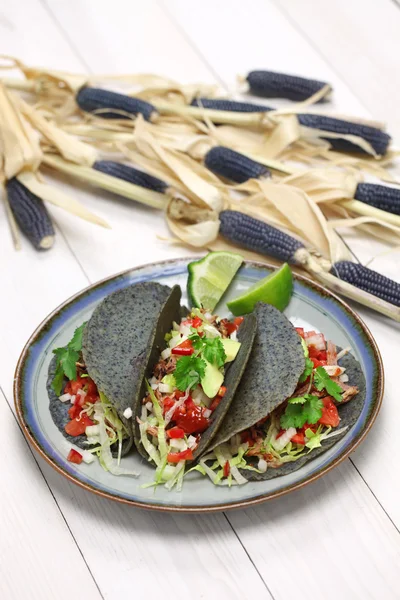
210 276
275 289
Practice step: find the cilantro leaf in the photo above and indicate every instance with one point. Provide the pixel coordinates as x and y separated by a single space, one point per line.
305 409
213 351
307 371
76 342
323 381
66 360
189 370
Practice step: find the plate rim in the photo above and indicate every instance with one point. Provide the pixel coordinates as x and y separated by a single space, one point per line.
249 502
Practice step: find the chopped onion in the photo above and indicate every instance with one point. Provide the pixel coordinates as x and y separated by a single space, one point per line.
175 326
233 335
164 388
284 439
149 406
73 399
207 413
185 330
87 456
317 340
343 352
92 430
199 397
262 465
175 341
154 386
153 380
166 353
344 378
127 413
192 442
178 444
334 370
65 398
208 316
211 331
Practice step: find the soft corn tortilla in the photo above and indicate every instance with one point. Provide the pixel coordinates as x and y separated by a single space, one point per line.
234 372
117 342
348 412
275 365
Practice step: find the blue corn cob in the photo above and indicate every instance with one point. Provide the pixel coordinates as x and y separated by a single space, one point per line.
279 85
258 236
229 105
98 100
131 175
379 196
31 215
368 280
234 166
378 139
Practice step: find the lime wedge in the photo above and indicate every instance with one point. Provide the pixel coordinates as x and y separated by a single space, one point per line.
275 289
210 277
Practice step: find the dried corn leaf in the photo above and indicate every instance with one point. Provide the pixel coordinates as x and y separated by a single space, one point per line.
325 185
68 146
59 198
197 234
384 231
19 145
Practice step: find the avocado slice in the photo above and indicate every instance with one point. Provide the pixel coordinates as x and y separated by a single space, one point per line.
231 348
212 380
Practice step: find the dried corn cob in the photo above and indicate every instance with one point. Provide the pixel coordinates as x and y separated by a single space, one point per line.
97 100
229 105
378 139
368 280
379 196
270 84
370 288
258 236
131 175
31 215
234 166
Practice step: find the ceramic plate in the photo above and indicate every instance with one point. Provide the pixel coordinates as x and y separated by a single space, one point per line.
311 307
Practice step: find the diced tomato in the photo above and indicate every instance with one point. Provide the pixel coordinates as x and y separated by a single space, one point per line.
72 387
92 395
227 469
308 334
330 416
197 322
308 426
318 363
298 438
229 326
75 457
179 394
222 391
215 403
175 433
175 457
167 404
318 354
74 411
183 349
245 438
189 403
193 421
300 331
78 425
238 321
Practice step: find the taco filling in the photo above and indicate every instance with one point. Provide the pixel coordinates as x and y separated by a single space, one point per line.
294 429
92 422
185 390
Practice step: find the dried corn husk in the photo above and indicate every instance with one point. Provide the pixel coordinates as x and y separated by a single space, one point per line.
58 198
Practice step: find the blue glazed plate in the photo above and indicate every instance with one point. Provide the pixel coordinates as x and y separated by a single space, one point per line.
311 307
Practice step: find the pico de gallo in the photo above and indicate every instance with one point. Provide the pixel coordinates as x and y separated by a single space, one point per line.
294 429
90 412
186 387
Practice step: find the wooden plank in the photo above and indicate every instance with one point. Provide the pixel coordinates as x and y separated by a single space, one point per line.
37 551
365 52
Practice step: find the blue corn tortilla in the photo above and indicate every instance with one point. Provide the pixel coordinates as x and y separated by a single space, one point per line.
116 346
348 412
275 365
234 372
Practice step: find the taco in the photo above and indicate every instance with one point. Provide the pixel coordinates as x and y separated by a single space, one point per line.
299 395
93 381
194 369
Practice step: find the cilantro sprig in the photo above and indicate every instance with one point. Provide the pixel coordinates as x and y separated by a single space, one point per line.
67 358
302 410
189 370
322 381
211 349
307 371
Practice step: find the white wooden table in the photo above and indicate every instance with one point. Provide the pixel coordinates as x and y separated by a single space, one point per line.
337 538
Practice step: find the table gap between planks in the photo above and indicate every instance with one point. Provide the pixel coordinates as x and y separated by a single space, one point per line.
111 548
